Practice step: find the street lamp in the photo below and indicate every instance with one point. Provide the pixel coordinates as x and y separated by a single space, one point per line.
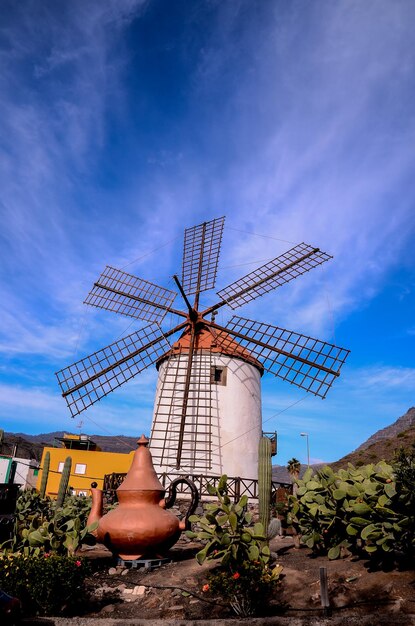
308 448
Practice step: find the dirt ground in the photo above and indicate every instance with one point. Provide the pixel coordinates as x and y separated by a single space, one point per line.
174 591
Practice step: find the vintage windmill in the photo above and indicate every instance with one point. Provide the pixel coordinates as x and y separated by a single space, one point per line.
207 411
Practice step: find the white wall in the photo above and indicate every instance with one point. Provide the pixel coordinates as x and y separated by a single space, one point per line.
223 423
4 469
24 475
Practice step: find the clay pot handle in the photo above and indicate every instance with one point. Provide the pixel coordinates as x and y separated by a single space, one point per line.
172 494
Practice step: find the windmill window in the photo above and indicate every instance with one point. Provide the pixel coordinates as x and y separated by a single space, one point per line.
218 375
60 467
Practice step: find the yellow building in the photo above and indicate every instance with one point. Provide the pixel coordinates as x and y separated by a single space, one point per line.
89 464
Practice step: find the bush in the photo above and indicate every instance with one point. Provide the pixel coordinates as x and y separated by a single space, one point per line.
45 585
228 531
41 526
244 578
404 469
248 590
370 508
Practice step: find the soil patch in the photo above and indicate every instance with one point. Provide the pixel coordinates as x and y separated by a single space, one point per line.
174 591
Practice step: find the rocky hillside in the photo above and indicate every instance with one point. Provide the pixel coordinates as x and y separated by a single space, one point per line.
403 424
18 446
384 443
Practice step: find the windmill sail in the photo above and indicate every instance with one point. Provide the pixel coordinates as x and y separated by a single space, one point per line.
201 255
128 295
283 269
90 379
201 429
303 361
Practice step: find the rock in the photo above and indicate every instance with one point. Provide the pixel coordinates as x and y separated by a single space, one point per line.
176 607
124 572
128 591
112 571
109 608
139 590
194 601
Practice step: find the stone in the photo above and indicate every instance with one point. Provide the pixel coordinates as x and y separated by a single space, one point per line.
176 607
124 572
139 590
127 590
112 571
109 608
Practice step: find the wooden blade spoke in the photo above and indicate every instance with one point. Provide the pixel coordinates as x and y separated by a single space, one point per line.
201 255
295 262
304 361
128 295
90 379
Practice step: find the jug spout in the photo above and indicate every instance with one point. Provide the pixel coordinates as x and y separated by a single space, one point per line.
96 508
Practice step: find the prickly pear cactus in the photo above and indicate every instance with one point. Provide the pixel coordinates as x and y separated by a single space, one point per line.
357 509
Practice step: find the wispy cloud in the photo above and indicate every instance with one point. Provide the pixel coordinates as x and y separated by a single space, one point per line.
385 377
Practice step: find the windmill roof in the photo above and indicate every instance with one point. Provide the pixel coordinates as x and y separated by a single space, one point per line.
215 341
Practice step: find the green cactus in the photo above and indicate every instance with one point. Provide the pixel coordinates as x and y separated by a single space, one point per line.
63 485
355 508
264 480
228 531
45 475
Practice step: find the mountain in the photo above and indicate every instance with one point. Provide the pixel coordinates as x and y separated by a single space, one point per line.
116 443
381 445
18 445
384 443
402 424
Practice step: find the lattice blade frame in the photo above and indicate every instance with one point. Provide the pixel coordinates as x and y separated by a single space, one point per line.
308 363
293 263
90 379
128 295
201 255
196 451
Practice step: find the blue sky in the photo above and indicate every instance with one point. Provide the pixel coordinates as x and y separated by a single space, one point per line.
123 122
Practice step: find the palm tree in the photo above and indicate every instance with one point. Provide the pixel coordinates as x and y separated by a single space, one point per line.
294 467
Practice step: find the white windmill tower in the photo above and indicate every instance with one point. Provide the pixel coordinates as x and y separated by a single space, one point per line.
207 412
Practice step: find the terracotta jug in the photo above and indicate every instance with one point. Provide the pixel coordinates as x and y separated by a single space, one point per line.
140 526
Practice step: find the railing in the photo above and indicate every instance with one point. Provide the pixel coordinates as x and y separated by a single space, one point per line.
237 486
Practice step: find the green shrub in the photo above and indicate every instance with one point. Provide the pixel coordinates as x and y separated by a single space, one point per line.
227 529
45 585
244 578
358 508
42 526
404 469
248 590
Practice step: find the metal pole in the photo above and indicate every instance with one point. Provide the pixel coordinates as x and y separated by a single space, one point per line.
308 448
